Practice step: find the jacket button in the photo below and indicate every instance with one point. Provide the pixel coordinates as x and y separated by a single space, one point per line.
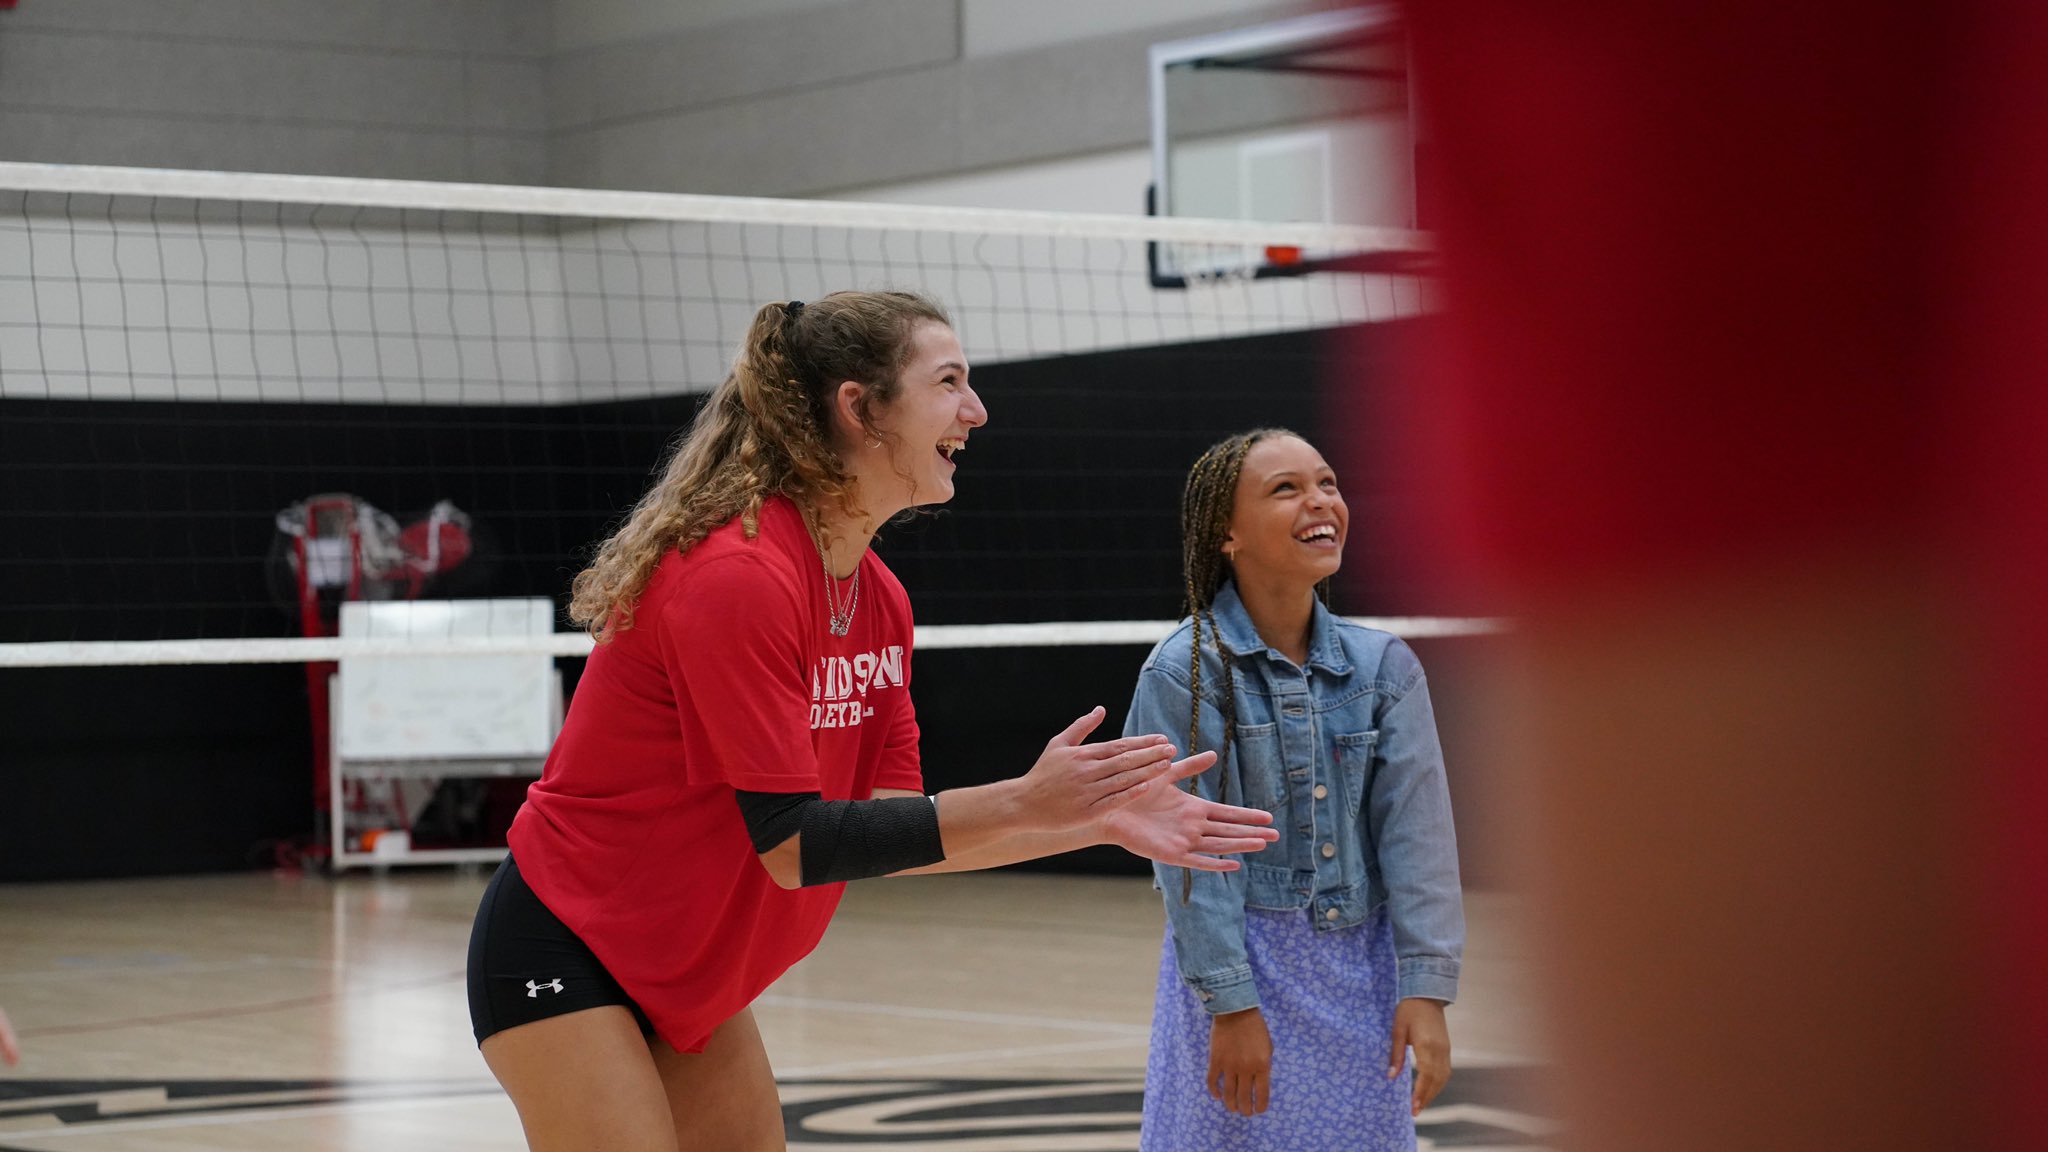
1321 791
1330 915
1329 850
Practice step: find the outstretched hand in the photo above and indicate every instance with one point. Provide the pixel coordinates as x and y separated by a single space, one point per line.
1074 784
1176 827
1128 789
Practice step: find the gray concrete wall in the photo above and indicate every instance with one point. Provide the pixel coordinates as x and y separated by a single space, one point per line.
813 96
758 97
413 89
583 24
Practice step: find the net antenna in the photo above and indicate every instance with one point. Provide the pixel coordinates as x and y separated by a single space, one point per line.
1308 120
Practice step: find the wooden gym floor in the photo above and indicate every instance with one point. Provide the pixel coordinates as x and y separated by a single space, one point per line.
978 1013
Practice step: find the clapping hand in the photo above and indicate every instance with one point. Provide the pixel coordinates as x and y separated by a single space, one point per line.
1074 784
1176 827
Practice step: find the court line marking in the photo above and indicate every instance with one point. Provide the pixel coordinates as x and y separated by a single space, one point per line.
204 1014
1461 1057
1488 1114
252 1116
457 1093
1488 1058
959 1016
1478 1058
885 1116
112 1104
99 972
982 1056
486 1090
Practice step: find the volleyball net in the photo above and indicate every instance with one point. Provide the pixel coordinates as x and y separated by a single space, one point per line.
250 422
228 396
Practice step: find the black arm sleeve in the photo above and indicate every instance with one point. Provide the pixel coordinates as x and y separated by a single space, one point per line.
773 817
846 839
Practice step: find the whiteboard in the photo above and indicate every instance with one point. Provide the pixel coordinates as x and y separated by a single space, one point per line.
426 707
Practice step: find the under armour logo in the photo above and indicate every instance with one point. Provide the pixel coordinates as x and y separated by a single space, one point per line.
533 989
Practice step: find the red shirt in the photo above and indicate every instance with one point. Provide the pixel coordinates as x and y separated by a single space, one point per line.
729 678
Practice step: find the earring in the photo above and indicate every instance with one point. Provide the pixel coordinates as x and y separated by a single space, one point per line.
873 442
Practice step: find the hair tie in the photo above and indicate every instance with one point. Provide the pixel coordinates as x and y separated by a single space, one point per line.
792 309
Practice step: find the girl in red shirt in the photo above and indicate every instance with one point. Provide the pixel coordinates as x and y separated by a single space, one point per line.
742 743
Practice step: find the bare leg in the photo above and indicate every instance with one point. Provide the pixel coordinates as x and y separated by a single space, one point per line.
583 1081
10 1050
723 1098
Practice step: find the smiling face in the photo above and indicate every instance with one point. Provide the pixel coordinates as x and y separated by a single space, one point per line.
922 429
1288 521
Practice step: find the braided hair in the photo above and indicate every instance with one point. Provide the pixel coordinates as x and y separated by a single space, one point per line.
1205 507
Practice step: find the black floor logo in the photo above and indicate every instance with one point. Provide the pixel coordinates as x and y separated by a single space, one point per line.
28 1105
1481 1108
1488 1108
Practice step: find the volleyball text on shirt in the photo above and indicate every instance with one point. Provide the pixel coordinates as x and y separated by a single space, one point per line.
838 680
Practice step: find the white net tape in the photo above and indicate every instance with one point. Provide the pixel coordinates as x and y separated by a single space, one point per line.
98 653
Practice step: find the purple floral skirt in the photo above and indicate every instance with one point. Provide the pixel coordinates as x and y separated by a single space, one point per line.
1328 999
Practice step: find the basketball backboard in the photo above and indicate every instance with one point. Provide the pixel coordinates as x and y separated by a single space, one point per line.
1308 120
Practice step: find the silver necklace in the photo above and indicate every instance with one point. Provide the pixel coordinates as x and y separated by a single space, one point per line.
842 614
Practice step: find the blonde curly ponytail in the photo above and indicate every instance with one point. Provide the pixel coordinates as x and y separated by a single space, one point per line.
761 433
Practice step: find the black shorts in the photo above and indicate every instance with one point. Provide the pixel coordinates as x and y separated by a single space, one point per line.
525 965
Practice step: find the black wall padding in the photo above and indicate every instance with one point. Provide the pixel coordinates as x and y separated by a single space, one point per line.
149 520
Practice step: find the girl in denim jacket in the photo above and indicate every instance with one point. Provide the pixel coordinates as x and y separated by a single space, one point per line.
1290 991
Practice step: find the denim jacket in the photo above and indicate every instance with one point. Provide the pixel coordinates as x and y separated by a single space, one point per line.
1344 754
